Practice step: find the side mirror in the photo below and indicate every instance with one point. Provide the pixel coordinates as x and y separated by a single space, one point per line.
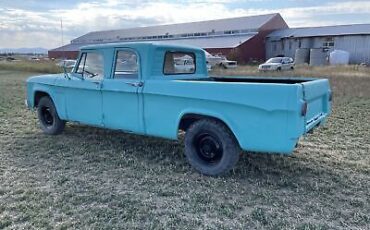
65 71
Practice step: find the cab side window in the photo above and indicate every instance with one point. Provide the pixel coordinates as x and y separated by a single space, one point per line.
91 65
126 65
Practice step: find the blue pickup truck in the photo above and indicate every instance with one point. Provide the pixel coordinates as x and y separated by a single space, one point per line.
158 90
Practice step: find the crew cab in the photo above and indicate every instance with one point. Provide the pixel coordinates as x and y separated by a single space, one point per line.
143 88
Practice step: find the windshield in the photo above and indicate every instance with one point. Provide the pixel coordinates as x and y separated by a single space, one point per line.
274 60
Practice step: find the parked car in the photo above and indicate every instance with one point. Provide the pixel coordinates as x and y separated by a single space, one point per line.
227 64
219 115
184 64
34 59
213 60
209 66
277 64
220 60
11 59
68 63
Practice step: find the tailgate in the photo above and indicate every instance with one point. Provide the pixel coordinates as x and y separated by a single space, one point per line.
317 95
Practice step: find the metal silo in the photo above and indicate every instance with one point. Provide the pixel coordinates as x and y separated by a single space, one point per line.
302 56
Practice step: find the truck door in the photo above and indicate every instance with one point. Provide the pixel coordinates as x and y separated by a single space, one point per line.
82 89
122 107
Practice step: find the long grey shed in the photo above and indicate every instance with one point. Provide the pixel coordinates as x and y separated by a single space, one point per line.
354 39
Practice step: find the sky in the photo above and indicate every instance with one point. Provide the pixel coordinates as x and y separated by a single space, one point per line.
37 23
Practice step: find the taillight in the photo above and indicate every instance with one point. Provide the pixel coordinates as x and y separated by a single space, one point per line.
304 109
330 96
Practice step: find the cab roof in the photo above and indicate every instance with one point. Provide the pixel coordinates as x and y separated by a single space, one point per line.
140 45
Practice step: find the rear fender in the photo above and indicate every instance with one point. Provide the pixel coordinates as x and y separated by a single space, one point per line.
208 114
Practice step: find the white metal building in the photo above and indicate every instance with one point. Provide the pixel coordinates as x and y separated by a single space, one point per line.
354 39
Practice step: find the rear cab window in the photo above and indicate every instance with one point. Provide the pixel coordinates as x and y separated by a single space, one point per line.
177 62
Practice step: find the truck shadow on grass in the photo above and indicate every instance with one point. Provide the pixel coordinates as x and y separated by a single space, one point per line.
107 148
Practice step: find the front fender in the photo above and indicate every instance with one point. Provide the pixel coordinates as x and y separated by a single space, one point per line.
58 100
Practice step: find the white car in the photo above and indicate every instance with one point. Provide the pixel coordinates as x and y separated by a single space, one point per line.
277 64
213 60
68 63
209 66
220 60
184 65
226 64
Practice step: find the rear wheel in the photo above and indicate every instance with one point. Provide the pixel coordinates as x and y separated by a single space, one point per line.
211 148
50 122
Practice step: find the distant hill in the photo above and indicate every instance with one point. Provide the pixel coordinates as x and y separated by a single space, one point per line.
37 50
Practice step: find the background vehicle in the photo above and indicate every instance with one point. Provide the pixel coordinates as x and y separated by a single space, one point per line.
184 64
220 60
68 63
277 64
213 60
154 97
226 64
34 59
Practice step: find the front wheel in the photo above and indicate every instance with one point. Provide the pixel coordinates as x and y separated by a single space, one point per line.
50 122
211 148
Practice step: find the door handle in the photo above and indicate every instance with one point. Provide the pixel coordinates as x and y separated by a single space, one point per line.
96 82
135 84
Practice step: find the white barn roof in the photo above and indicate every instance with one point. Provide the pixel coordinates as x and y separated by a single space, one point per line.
355 29
221 33
203 28
205 42
211 42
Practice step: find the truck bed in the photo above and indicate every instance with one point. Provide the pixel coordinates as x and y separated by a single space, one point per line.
247 79
315 95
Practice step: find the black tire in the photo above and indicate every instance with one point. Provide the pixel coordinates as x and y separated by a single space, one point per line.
50 122
211 148
292 68
278 69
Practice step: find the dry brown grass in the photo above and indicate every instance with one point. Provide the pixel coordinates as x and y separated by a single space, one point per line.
95 178
31 66
302 70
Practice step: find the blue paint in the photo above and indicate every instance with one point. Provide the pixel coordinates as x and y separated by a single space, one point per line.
264 117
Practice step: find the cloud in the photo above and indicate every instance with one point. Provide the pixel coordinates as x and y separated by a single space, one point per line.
20 39
28 27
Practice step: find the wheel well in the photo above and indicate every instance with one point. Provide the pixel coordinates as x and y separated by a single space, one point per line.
189 119
38 96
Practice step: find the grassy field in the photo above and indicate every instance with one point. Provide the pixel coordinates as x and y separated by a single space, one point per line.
95 178
41 66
